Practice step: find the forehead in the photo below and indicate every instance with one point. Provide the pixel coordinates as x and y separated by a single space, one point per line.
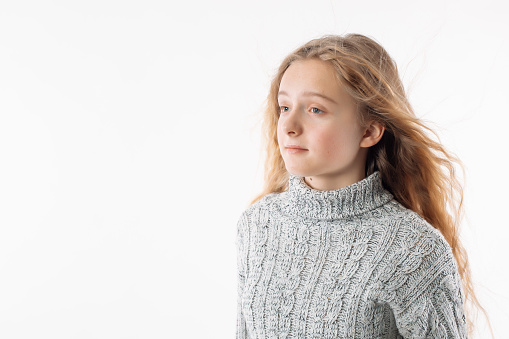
311 75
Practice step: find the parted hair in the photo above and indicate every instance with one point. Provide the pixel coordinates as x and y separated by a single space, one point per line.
415 167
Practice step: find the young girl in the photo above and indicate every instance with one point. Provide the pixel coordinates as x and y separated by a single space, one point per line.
355 233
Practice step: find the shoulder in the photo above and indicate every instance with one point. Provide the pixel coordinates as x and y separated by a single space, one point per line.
418 254
258 213
411 230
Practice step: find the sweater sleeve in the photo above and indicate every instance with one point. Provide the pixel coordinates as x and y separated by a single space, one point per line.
425 290
241 276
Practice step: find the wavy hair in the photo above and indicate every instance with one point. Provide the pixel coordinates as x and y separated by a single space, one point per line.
418 171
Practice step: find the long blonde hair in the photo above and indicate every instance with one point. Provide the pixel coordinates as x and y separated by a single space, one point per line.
417 170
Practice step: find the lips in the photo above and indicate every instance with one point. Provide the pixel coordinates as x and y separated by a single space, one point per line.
295 147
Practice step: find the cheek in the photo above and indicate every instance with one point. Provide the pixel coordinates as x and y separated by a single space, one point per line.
330 142
338 142
278 133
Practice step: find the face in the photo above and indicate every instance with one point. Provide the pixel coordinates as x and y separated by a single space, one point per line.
317 115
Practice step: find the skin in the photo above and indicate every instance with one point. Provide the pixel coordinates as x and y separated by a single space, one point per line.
328 128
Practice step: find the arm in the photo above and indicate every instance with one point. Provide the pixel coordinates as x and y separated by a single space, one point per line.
425 291
241 274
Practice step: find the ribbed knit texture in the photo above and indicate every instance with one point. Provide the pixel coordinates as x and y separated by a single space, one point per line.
345 263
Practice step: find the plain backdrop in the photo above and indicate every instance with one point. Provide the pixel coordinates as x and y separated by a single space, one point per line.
130 145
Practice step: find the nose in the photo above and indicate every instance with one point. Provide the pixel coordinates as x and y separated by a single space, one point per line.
291 122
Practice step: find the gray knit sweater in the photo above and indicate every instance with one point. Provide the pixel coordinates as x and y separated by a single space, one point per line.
345 263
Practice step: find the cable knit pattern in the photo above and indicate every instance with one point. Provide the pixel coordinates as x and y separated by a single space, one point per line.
345 263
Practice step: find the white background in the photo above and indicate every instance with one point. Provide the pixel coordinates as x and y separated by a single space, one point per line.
130 145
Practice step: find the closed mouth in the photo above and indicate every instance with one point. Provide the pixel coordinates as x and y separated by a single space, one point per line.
295 147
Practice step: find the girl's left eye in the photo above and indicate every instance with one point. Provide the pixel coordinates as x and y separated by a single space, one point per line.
316 110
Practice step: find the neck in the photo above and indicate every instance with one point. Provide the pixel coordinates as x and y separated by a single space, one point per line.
327 182
358 198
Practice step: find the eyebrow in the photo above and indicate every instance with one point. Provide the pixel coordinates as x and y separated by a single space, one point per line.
310 93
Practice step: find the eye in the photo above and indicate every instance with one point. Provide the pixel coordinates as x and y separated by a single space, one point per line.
316 110
283 109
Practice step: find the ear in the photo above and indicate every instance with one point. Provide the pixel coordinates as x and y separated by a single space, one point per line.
372 134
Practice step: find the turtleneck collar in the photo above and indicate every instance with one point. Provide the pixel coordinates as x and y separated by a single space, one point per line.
358 198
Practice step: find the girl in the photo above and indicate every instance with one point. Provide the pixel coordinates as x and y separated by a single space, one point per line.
355 233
